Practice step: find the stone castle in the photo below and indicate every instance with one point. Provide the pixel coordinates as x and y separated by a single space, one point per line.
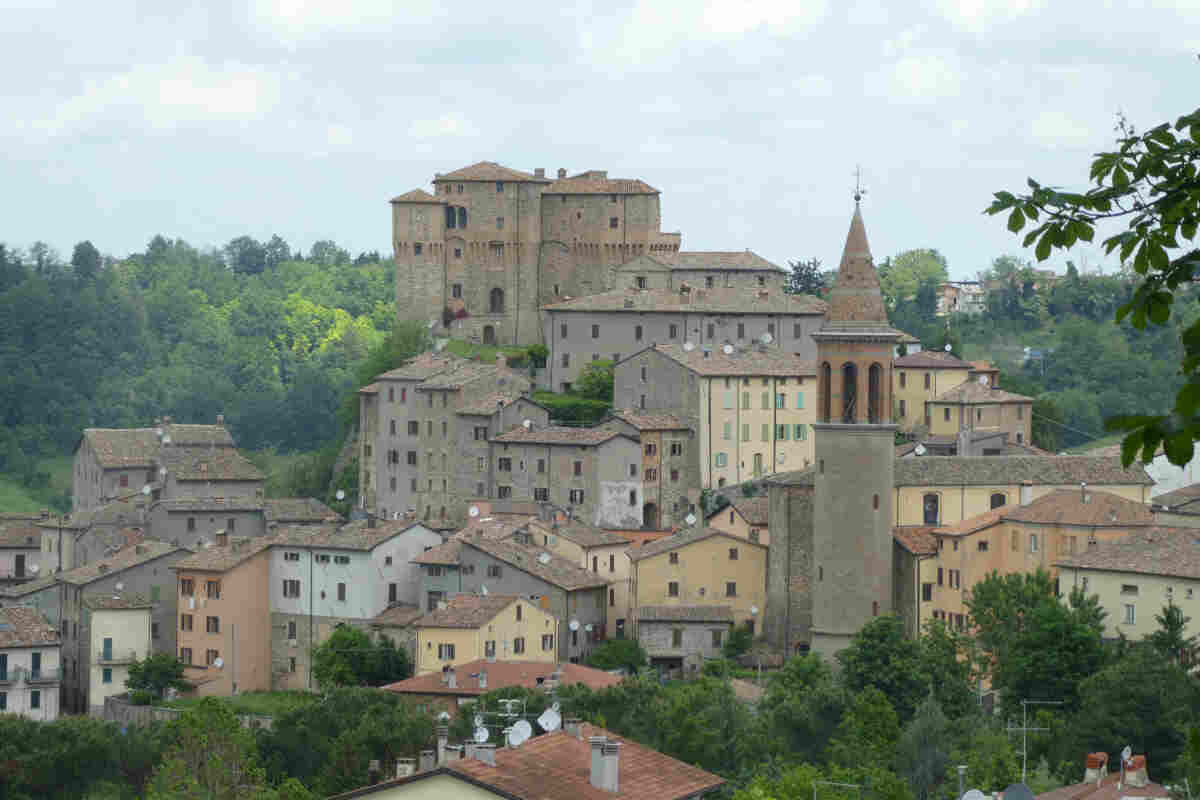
480 256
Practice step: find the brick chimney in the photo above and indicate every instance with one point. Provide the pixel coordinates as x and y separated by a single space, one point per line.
486 753
222 538
427 760
573 727
597 774
540 172
1026 492
1135 772
451 679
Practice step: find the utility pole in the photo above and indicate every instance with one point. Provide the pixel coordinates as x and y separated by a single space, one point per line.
1025 729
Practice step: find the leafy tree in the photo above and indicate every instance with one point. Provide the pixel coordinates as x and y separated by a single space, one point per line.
741 638
1046 427
595 381
86 261
538 353
626 654
210 757
923 752
805 278
902 275
882 656
802 708
275 252
349 658
868 733
1187 766
327 253
246 255
1170 640
946 665
988 753
156 673
1150 183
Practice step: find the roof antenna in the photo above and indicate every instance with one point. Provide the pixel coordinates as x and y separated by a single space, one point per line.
859 189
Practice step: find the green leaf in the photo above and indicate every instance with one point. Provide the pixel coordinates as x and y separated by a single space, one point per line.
1043 246
1129 448
1084 230
1187 399
1179 448
1158 257
1016 220
1119 179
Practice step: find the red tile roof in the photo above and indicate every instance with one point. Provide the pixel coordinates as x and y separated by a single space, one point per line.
931 359
501 674
555 434
467 611
599 183
416 196
918 539
1108 790
487 171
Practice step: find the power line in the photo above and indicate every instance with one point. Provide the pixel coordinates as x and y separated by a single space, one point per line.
1052 421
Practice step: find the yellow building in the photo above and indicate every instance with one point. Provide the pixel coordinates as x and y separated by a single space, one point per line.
704 568
1020 539
981 408
471 627
920 378
601 552
745 518
120 635
1137 577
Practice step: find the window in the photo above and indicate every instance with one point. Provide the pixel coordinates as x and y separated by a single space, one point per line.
212 624
931 504
187 587
673 558
722 459
291 588
716 638
677 637
35 698
292 664
185 655
1020 412
504 464
185 622
612 222
577 468
672 331
595 331
547 642
499 187
124 480
745 431
213 589
541 494
733 554
926 592
940 577
499 223
741 330
651 474
496 301
1129 589
106 675
494 571
730 589
1033 542
676 449
291 629
902 379
875 502
446 652
489 648
191 523
403 394
673 589
674 475
153 630
781 432
801 432
519 645
503 492
903 409
1130 614
983 547
322 558
3 701
575 497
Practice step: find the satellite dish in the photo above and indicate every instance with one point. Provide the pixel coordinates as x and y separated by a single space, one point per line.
481 735
527 424
573 624
519 733
727 349
543 558
983 380
588 627
473 511
550 720
753 610
479 720
120 587
166 439
483 590
162 472
766 338
948 348
974 794
1126 753
341 494
689 346
33 569
146 489
919 449
690 519
1018 791
445 715
220 662
555 707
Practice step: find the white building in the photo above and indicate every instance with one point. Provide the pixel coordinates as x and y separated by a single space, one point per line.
29 664
120 635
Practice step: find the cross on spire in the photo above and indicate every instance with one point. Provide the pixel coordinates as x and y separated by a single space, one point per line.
859 190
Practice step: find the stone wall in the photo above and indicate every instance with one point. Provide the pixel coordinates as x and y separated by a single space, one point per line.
789 567
697 642
118 709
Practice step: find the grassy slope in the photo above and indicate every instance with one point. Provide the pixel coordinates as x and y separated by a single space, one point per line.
270 703
482 352
15 497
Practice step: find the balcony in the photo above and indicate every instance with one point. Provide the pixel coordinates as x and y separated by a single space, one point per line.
26 675
110 657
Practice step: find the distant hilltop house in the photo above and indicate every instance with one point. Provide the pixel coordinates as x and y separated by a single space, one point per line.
961 297
480 256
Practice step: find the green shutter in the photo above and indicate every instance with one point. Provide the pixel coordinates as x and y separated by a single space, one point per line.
799 399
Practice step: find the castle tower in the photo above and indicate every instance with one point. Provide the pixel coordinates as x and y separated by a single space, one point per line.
851 567
419 239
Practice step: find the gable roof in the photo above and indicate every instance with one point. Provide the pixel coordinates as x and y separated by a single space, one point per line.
685 614
445 554
741 260
208 464
487 405
298 509
975 393
1171 552
751 362
21 626
223 559
997 471
931 359
123 447
420 367
916 539
680 540
110 602
416 196
127 557
467 611
755 510
399 615
20 535
487 171
598 182
650 420
1067 507
559 434
556 570
185 504
583 534
501 674
462 373
1179 497
717 300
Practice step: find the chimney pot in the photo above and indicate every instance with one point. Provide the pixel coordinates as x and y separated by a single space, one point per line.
486 753
540 172
562 173
573 727
427 760
405 767
451 679
443 735
611 752
222 538
221 420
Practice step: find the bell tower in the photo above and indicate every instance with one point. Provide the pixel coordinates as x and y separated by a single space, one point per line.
854 439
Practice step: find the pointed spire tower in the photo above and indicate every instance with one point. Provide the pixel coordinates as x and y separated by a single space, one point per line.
854 443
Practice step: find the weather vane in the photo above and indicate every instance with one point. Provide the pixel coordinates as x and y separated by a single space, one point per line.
859 191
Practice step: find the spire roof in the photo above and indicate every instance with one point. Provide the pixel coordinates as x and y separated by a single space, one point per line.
855 297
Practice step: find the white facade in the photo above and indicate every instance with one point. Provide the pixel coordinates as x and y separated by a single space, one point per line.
118 638
29 681
349 583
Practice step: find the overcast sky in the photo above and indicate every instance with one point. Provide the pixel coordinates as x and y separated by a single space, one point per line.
211 120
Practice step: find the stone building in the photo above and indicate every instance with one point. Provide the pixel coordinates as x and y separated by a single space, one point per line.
670 463
424 433
623 321
745 517
20 551
482 254
602 552
194 521
981 408
683 637
29 664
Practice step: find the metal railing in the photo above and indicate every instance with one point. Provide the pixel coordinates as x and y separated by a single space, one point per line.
27 675
116 657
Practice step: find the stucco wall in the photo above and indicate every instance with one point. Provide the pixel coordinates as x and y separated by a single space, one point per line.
914 394
1148 594
19 693
129 630
503 629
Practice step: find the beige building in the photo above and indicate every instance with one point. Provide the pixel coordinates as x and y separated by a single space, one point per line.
705 568
982 408
1136 577
746 518
224 628
29 664
469 627
120 635
603 553
921 377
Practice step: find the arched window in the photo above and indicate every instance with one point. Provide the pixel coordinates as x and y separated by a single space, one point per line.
496 301
998 499
462 217
874 389
489 334
849 392
931 503
825 390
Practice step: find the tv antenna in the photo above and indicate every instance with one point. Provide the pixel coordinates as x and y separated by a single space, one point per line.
1024 730
859 189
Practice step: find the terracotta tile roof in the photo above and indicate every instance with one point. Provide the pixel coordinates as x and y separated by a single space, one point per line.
116 512
198 435
741 362
20 516
1066 507
556 570
650 421
467 611
723 260
357 535
972 524
599 183
415 196
21 626
583 534
855 300
445 554
640 538
755 510
123 447
557 766
420 367
1170 552
685 614
1108 790
487 171
205 464
997 471
972 392
683 540
22 535
918 540
486 406
718 300
494 526
1179 497
463 373
209 504
298 509
370 388
126 558
501 674
558 434
110 602
908 338
223 559
931 359
398 616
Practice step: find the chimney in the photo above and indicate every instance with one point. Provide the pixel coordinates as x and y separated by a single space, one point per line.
763 294
443 735
486 753
451 679
468 749
102 567
1026 492
221 420
1135 772
562 173
222 538
501 360
370 520
483 675
1092 544
540 172
597 775
573 727
427 760
1097 767
45 512
373 772
1083 495
612 766
405 767
454 753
